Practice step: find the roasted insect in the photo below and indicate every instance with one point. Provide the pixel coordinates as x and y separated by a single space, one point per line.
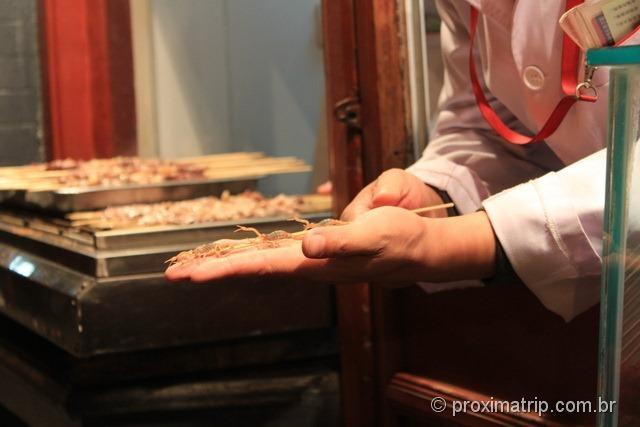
274 239
123 171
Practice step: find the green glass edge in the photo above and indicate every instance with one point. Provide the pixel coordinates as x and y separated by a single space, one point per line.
612 56
613 245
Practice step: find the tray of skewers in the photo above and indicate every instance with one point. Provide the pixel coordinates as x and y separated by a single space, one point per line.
69 185
166 223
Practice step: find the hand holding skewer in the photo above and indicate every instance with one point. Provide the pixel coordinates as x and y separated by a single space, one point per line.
380 239
266 240
385 244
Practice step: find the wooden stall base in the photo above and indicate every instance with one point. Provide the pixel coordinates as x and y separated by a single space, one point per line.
290 378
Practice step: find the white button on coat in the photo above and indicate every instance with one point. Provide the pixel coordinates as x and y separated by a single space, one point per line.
533 77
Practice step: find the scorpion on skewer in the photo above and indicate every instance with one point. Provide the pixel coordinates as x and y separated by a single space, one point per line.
274 239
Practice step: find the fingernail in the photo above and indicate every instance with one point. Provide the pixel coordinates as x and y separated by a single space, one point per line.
315 245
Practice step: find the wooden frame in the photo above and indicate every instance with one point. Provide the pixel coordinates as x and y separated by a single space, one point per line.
383 86
88 78
363 60
345 163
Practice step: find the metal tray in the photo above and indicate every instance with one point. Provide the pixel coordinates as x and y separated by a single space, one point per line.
122 252
142 237
87 316
90 198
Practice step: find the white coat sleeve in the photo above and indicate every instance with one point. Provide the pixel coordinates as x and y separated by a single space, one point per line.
550 223
551 231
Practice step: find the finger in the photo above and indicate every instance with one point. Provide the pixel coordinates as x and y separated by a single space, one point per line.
355 209
359 205
217 269
179 271
390 189
325 188
285 260
344 241
270 264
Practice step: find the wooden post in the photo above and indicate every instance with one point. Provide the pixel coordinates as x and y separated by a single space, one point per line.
363 62
383 86
345 158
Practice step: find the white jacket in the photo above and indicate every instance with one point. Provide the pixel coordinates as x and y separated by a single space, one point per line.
545 201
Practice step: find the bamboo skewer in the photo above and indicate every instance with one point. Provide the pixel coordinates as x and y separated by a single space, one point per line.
300 234
36 185
433 208
415 211
52 183
42 167
222 156
251 161
208 164
257 171
44 174
95 218
95 223
82 215
254 163
19 169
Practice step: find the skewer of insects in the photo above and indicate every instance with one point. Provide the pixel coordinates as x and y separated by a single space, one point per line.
277 238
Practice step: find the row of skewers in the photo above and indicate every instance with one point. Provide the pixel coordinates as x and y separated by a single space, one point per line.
227 207
124 171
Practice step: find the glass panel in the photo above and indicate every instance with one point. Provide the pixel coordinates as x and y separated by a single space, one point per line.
620 319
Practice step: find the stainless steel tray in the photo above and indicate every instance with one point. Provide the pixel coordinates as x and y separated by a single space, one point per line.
122 252
142 237
87 316
90 198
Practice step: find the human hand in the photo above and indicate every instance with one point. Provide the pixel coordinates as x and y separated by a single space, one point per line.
325 188
394 187
387 244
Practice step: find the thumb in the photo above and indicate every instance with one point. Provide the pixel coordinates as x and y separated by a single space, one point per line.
342 241
390 189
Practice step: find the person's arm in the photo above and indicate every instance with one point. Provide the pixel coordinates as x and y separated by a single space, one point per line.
551 230
550 226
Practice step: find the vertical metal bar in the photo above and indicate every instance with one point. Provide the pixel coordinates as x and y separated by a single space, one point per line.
417 73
